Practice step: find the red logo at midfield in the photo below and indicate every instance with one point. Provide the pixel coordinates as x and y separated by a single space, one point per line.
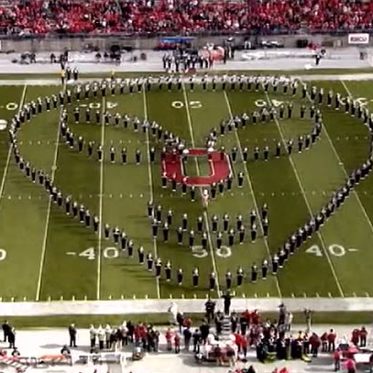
219 167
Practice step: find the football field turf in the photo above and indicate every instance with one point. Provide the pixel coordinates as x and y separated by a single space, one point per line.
46 254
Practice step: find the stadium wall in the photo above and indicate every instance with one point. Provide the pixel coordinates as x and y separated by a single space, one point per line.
80 43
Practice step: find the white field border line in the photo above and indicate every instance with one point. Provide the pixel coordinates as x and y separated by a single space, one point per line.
47 219
150 176
307 203
251 188
343 167
100 209
204 212
5 172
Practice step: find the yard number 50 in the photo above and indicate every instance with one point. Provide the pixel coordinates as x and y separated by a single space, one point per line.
192 104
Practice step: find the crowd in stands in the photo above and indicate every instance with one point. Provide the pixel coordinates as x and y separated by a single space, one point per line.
182 16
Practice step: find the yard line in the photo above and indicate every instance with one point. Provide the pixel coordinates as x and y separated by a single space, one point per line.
150 175
101 198
198 172
307 203
5 172
47 219
341 163
250 187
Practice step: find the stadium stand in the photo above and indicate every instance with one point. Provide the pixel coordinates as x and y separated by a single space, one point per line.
182 16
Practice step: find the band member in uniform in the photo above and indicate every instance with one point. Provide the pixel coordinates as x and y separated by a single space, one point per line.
195 277
165 232
191 238
228 280
199 224
167 270
179 233
212 281
149 261
124 155
214 221
225 222
240 179
274 264
253 233
180 276
219 240
155 228
242 234
264 269
240 276
158 267
254 273
265 227
107 231
141 255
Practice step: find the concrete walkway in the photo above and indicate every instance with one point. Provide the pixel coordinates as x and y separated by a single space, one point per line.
49 341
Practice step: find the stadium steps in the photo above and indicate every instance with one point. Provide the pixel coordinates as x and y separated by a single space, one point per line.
226 328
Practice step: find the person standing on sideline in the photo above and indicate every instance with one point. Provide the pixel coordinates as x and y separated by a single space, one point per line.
337 360
12 338
227 302
92 336
72 334
6 330
308 315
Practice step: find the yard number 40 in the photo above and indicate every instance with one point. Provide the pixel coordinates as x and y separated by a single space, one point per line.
334 249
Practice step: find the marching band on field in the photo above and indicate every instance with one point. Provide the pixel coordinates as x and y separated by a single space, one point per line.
197 234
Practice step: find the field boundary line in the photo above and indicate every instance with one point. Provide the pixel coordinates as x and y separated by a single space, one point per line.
213 260
150 176
187 305
251 187
47 219
101 197
307 203
7 162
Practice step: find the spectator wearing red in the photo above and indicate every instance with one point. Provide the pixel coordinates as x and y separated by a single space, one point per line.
177 343
351 366
355 337
315 343
168 336
331 340
324 342
337 360
363 336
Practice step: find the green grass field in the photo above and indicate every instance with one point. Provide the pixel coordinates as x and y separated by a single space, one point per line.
46 254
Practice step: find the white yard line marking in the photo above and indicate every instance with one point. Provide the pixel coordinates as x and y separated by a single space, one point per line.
251 187
100 209
47 219
5 172
307 203
151 190
205 212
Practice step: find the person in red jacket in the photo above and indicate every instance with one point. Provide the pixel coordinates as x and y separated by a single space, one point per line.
243 345
324 341
331 340
169 339
177 343
337 360
315 344
355 336
351 366
363 336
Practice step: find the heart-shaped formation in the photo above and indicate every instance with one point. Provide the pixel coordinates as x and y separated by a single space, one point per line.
173 155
